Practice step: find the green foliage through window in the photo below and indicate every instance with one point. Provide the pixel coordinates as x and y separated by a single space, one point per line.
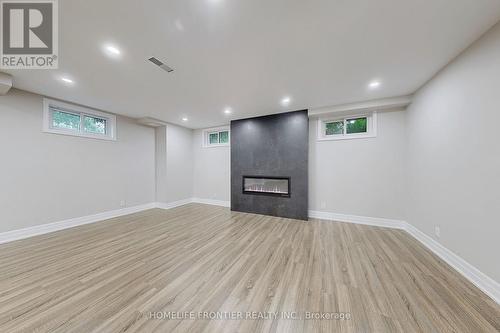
334 128
218 138
213 138
346 126
224 137
65 120
357 125
94 125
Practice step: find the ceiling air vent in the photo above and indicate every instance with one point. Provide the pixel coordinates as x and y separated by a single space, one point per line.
160 64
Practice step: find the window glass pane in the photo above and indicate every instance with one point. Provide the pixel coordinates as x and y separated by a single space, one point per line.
65 120
213 138
357 125
224 137
94 125
334 128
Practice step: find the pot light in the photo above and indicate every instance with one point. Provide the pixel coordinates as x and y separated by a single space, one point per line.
285 101
67 80
374 84
185 119
228 111
112 51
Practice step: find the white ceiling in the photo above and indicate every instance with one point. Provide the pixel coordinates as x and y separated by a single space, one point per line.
249 54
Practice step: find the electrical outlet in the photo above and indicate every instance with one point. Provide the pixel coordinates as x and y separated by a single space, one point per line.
122 203
437 231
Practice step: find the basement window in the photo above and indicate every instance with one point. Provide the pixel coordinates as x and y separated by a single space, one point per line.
69 119
216 137
351 127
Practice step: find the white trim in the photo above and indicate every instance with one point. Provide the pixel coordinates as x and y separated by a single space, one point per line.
374 221
212 202
371 127
207 131
36 230
489 286
13 235
346 137
82 111
475 276
174 204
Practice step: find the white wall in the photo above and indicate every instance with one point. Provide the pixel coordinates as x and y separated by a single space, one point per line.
48 177
363 177
174 163
161 163
212 170
454 155
179 176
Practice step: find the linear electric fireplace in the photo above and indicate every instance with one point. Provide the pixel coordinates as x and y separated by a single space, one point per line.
258 185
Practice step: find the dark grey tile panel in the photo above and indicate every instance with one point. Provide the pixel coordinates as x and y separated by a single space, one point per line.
275 145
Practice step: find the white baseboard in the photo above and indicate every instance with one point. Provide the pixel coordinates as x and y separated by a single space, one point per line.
13 235
478 278
212 202
475 276
374 221
174 204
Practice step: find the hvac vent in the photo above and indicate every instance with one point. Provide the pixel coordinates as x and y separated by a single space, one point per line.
160 64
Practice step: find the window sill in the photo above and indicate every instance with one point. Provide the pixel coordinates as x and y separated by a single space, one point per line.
77 134
347 137
216 146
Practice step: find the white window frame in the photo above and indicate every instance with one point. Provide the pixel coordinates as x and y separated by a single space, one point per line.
208 131
371 127
82 112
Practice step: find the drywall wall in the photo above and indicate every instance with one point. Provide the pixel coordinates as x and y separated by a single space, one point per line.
174 163
211 179
363 177
48 177
179 159
454 155
161 163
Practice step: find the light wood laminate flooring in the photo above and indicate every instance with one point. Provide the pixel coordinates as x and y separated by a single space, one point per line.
130 273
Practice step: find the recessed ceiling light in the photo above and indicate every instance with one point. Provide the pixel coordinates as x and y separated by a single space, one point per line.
67 80
285 101
185 119
374 84
228 111
112 51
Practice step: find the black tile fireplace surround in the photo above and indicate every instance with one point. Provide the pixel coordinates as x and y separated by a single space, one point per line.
265 151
